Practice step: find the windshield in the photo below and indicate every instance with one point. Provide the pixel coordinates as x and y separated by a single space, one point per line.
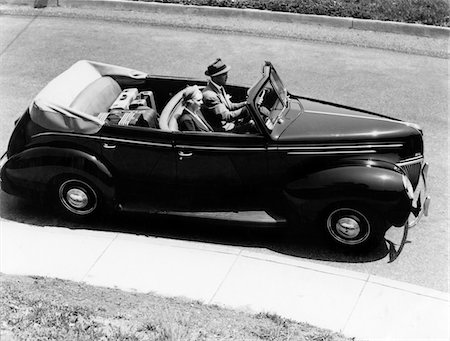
271 100
278 87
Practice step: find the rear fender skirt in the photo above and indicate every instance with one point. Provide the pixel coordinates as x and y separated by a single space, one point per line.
40 166
378 188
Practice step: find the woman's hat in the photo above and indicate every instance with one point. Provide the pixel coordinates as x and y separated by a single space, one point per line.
217 68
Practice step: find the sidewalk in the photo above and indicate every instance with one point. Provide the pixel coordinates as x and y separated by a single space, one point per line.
356 304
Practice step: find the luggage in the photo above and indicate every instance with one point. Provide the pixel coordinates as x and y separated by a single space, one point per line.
132 108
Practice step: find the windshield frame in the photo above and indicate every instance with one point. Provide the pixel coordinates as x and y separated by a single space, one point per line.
269 74
278 86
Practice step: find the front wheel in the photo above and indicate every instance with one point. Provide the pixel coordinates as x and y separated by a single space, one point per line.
354 227
77 198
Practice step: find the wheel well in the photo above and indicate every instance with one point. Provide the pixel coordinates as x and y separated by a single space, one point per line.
359 206
58 179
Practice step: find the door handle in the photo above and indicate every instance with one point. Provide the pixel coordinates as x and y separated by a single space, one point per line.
109 146
182 154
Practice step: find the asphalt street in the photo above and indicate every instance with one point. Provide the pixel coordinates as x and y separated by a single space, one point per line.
34 49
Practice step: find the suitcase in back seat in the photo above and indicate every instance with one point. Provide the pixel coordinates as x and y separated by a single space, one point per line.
140 117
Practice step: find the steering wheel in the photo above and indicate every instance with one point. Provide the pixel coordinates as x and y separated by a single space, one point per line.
260 99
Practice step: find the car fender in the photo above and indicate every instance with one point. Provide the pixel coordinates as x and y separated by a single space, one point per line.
375 186
39 167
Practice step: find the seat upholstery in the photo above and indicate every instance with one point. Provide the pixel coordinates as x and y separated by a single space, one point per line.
97 97
176 113
165 121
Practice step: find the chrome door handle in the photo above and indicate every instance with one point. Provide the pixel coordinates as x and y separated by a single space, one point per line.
184 154
109 146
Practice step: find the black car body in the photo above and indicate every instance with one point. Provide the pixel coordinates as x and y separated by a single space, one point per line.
100 135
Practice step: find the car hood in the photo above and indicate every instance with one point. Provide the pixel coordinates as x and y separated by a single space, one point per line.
316 121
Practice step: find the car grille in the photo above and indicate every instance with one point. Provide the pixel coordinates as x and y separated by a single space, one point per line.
412 169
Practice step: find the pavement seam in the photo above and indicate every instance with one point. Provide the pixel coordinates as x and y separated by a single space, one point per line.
98 258
18 35
226 276
312 268
409 291
355 305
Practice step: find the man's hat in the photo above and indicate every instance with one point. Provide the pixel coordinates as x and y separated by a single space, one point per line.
217 68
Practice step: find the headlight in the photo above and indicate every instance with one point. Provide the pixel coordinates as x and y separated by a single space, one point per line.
408 187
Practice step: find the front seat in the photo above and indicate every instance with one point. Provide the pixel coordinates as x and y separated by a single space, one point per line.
173 119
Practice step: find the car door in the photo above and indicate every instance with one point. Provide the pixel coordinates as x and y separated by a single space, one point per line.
219 171
143 163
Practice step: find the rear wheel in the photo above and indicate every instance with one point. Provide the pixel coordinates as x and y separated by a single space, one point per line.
77 198
354 227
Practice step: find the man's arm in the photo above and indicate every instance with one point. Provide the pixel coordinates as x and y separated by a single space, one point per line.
212 102
236 106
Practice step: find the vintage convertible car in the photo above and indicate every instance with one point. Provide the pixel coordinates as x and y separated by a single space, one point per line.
100 135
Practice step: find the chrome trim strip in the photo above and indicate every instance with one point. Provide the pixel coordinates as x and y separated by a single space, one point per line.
350 115
293 149
256 149
334 152
392 145
410 161
102 138
142 143
154 144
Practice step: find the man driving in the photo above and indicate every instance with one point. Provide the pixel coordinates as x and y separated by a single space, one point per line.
217 107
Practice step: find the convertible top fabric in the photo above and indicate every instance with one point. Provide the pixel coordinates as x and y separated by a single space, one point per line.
71 101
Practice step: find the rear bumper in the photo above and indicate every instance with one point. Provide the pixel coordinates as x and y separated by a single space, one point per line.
421 200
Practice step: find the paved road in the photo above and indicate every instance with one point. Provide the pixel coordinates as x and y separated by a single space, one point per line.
410 87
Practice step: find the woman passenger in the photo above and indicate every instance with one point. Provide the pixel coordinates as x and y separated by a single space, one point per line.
191 118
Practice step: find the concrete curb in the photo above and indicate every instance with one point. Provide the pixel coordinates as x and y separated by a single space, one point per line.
351 23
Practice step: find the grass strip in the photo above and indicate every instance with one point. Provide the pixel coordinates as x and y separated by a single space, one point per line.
39 308
427 12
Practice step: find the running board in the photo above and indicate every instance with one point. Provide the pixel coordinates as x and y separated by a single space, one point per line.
257 218
240 217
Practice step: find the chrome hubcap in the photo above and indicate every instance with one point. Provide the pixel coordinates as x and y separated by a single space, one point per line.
348 227
77 198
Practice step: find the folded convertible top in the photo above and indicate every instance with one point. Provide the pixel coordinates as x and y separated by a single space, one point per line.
57 105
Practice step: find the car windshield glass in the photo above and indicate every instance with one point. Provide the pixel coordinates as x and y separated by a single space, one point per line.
271 100
278 86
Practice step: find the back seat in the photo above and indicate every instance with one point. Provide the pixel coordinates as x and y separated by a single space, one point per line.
103 98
